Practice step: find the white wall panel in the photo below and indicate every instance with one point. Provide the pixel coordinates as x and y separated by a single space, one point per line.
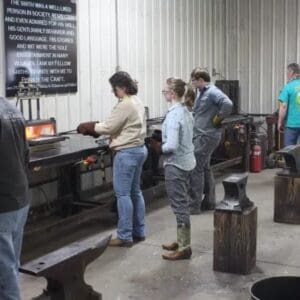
267 94
102 57
164 38
157 39
264 41
251 41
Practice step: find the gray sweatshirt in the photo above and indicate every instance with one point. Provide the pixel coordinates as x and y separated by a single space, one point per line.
14 156
210 102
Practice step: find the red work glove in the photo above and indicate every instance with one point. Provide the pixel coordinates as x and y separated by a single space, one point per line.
88 128
155 145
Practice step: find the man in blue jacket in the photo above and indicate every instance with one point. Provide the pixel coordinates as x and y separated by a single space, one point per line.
14 198
210 107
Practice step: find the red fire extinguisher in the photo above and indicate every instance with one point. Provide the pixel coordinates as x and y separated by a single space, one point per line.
255 158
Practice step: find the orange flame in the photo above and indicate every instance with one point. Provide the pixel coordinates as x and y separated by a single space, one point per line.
36 131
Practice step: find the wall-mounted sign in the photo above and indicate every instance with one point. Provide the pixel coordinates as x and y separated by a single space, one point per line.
40 44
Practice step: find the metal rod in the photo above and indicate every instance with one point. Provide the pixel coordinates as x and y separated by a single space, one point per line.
118 68
228 163
21 106
258 115
68 132
38 109
30 109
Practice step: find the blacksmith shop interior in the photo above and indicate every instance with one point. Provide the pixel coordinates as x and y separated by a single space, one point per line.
149 149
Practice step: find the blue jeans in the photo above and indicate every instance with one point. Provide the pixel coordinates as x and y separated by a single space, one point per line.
291 136
11 236
127 169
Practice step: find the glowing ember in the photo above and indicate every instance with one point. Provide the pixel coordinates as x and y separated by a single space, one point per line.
36 131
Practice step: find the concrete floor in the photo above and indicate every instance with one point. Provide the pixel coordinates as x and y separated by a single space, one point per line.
139 273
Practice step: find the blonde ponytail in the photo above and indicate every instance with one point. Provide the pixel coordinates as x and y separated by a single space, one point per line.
189 96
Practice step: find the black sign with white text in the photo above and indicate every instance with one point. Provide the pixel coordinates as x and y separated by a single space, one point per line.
40 44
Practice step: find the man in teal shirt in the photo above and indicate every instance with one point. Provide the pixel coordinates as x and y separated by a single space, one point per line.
289 111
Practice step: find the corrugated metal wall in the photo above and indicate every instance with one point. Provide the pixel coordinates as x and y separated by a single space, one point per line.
263 37
157 39
163 38
252 41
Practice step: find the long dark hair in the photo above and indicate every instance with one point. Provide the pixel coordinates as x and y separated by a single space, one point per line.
122 79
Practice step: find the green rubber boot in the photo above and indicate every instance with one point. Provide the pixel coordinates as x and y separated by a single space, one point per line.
183 236
184 250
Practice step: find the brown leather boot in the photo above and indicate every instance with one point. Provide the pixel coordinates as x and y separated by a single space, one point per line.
170 247
178 254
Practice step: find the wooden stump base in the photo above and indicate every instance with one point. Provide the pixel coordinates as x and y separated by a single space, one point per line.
235 241
287 199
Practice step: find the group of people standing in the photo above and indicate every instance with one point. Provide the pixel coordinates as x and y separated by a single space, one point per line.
191 131
190 134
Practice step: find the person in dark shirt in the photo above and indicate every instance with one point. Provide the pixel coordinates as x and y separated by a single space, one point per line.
14 196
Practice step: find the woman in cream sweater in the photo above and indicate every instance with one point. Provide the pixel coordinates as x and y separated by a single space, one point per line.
127 129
